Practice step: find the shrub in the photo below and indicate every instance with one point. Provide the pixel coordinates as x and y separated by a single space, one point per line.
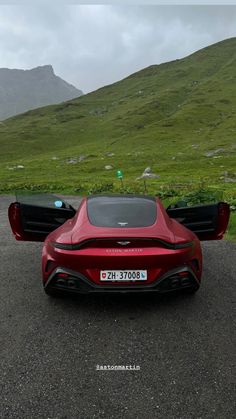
100 187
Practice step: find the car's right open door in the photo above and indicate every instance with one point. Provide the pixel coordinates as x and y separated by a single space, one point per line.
208 222
33 217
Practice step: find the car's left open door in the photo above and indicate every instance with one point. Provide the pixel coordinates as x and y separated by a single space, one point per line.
208 222
33 217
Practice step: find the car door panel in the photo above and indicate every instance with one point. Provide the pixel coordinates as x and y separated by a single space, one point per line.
208 222
31 221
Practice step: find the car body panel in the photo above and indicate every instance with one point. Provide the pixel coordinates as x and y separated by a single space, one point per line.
90 261
75 251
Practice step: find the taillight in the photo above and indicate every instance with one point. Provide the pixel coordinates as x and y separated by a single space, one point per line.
184 245
61 246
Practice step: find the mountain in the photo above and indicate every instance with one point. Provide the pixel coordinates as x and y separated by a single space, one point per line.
179 118
22 90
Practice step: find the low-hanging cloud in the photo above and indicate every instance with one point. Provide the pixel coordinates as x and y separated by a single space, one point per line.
94 45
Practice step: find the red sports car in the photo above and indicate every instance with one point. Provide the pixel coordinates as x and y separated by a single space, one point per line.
118 243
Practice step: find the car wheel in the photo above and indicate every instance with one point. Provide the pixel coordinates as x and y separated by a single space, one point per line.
190 290
53 293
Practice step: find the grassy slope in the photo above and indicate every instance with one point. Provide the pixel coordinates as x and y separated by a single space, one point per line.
146 120
166 116
179 110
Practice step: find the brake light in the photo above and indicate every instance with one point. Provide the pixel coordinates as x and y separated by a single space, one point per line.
61 246
184 245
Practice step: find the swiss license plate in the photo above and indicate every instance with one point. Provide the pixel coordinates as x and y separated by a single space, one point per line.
123 275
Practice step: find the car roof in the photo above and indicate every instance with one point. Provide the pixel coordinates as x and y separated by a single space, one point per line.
121 196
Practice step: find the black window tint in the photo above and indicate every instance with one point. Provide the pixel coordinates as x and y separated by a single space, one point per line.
41 200
122 211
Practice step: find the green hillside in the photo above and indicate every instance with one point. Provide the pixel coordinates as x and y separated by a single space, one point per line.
179 118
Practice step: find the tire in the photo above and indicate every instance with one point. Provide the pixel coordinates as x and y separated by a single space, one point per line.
53 293
190 290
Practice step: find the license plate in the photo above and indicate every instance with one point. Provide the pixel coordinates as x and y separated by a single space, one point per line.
123 275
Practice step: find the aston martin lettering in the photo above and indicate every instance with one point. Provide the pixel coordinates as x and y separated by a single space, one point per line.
123 250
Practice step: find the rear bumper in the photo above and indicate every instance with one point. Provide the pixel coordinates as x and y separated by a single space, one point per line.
67 280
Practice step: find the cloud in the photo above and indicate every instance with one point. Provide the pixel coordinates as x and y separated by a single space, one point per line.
94 45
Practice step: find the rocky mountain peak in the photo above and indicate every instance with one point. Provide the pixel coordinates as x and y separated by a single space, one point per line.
22 90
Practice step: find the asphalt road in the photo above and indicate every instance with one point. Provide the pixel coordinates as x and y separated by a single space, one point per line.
49 348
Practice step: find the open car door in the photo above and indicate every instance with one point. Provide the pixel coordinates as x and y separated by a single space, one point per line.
33 217
208 222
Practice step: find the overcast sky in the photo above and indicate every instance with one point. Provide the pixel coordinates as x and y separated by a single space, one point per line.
94 45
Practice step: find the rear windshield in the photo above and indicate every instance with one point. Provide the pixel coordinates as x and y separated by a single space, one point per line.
122 211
